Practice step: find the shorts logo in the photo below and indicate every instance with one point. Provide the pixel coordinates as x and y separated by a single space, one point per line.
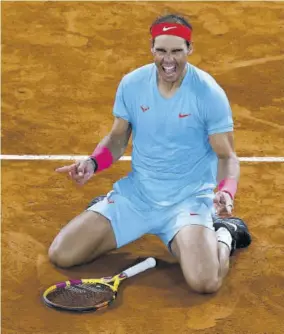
183 115
144 108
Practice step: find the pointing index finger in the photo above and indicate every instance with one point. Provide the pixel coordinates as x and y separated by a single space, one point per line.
65 169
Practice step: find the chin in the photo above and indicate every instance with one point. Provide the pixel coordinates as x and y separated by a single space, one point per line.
172 79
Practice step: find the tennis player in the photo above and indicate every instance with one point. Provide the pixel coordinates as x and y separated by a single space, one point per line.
182 129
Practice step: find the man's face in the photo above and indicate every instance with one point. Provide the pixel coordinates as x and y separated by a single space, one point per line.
170 56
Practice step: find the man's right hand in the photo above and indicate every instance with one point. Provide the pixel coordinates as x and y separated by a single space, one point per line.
80 171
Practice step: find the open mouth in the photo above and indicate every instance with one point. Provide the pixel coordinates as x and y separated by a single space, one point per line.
169 70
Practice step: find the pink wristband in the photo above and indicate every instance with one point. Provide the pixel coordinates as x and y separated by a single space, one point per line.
103 157
229 186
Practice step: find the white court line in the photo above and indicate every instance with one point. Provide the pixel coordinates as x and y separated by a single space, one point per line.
124 158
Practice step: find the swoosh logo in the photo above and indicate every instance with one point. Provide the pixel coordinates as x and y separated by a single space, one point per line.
168 28
233 225
183 115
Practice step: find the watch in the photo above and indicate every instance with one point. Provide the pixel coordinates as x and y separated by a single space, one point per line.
95 164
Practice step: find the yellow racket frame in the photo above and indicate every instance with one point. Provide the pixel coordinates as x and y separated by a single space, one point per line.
112 282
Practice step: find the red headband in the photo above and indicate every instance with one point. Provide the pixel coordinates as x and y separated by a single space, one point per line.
174 29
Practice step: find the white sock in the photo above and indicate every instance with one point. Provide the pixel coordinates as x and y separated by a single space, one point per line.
223 235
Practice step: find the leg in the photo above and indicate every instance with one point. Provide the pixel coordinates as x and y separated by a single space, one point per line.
203 263
224 259
82 240
232 233
190 235
107 224
204 254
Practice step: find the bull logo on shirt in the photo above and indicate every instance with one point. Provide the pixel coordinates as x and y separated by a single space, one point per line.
144 108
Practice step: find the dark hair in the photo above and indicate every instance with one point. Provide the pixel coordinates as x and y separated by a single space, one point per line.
172 18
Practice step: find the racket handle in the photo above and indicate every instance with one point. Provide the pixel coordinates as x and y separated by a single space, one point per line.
140 267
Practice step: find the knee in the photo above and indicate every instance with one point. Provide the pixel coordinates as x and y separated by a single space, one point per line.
204 284
59 257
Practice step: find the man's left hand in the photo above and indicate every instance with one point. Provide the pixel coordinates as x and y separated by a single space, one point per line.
223 204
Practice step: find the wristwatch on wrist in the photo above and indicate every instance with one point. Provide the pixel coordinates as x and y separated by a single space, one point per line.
95 164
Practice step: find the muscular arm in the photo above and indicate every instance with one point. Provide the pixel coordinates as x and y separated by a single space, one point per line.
116 141
228 164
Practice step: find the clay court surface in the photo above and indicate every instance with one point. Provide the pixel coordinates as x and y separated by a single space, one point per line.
61 64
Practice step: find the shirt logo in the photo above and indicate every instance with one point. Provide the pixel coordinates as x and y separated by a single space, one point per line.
183 115
144 108
168 28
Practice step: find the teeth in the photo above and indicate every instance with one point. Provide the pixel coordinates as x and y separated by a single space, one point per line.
169 69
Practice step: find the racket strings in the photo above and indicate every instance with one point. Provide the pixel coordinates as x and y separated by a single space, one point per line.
81 295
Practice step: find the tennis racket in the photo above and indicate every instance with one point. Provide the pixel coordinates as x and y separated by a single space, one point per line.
86 295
